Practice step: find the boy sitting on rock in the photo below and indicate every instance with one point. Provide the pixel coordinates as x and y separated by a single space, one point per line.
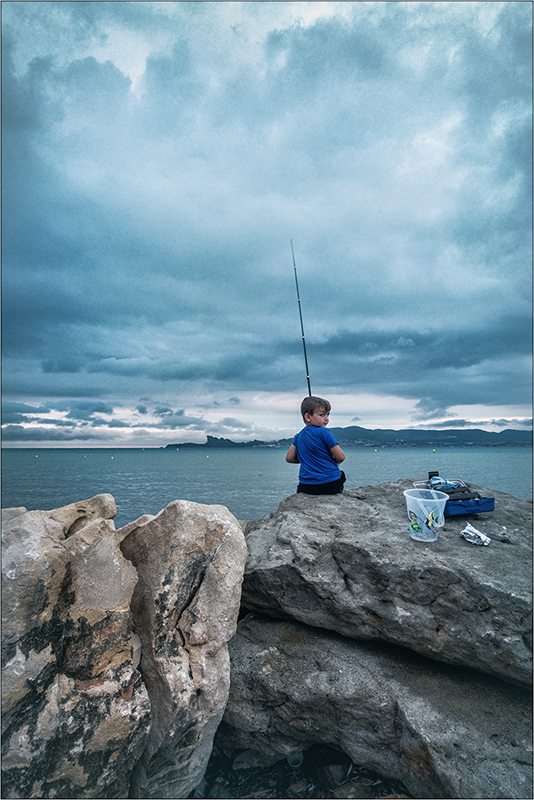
316 450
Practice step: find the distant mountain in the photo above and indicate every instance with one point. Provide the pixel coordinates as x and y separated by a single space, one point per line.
354 436
415 437
213 441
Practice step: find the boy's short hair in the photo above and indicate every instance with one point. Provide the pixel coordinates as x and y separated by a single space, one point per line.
309 404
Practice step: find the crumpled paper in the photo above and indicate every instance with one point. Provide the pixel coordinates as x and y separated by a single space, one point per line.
475 537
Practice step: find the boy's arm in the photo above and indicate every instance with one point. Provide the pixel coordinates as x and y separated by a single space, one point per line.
291 456
337 454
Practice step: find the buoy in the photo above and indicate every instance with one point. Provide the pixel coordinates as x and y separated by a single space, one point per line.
433 451
111 456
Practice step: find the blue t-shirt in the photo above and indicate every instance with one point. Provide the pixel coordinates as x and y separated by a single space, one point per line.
313 451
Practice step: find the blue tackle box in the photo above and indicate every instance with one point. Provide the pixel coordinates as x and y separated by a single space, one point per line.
470 503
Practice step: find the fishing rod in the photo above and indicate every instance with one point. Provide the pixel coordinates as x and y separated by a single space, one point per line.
301 323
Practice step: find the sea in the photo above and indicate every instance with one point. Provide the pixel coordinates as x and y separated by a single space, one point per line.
250 482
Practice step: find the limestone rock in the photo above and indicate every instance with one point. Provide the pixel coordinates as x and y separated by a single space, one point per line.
75 713
442 731
190 560
84 606
76 515
10 513
123 532
347 563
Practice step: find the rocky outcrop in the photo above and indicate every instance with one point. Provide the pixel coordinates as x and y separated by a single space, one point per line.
442 731
75 713
84 605
346 563
190 560
409 657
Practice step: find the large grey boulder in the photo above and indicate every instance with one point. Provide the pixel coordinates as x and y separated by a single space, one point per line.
190 559
347 563
75 713
442 731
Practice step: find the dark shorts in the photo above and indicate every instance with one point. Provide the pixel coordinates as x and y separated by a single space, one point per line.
334 487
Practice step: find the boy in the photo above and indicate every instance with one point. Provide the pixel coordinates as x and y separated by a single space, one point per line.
316 450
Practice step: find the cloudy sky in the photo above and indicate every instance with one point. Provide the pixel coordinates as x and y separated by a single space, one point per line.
159 157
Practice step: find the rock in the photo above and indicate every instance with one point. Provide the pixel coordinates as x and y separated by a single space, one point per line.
10 513
313 778
248 759
346 563
332 776
190 560
441 731
298 788
76 515
130 526
354 789
84 606
75 713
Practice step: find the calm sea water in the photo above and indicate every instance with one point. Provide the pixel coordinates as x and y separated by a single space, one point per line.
250 482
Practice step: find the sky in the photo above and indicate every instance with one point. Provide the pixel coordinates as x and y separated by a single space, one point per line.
160 157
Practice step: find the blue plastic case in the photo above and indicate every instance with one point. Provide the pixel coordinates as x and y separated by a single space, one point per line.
474 506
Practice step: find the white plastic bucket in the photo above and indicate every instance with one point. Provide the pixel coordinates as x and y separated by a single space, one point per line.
295 759
426 513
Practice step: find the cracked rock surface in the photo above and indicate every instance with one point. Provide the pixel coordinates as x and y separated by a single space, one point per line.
75 713
346 563
441 731
115 667
190 560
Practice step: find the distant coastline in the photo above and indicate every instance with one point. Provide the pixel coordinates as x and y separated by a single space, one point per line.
355 436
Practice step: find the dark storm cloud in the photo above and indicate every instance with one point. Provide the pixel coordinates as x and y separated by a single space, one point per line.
96 422
230 426
428 408
147 215
178 419
446 367
19 433
85 409
64 364
23 408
